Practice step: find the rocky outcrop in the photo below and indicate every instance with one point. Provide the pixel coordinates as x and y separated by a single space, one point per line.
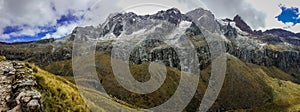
240 23
285 60
6 76
2 58
280 32
285 36
298 35
18 88
228 30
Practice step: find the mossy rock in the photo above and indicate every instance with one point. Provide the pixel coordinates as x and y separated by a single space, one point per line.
2 58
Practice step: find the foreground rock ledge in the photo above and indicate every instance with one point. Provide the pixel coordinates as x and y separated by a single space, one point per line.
17 88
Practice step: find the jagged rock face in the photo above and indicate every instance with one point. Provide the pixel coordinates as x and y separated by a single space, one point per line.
298 35
287 60
284 36
280 32
130 22
169 26
18 88
240 23
256 49
228 30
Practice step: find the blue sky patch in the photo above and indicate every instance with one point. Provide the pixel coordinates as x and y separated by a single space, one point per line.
26 38
289 15
11 29
67 19
47 29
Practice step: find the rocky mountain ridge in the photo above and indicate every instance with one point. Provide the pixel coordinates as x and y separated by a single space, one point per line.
263 48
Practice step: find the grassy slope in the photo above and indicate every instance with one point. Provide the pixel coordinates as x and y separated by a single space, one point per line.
246 87
283 92
60 95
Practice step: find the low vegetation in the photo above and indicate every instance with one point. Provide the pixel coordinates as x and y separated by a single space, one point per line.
2 58
247 87
61 95
58 93
280 90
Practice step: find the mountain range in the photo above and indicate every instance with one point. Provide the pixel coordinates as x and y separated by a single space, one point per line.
263 70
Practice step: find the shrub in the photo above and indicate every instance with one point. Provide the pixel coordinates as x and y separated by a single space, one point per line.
35 70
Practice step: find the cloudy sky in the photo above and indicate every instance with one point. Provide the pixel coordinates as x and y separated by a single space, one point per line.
27 20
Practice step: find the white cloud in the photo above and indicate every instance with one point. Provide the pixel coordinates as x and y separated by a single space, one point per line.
28 31
5 36
99 11
48 36
30 14
153 6
61 31
230 8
